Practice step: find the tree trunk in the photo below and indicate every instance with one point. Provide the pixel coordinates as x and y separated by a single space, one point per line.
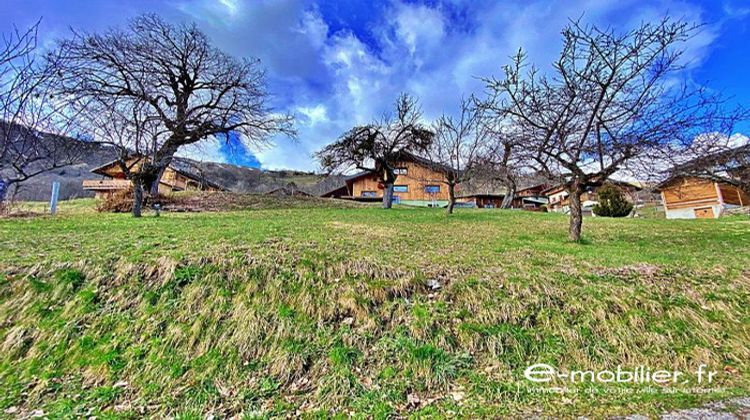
509 195
153 188
389 178
388 196
162 160
451 198
137 197
4 187
576 211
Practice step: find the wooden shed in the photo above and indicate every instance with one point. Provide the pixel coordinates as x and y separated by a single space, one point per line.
692 197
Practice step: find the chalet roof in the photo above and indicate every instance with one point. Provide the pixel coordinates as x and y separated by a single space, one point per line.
672 179
533 187
408 156
359 175
100 169
404 156
560 187
553 189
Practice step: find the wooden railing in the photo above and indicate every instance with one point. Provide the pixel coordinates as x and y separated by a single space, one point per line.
106 184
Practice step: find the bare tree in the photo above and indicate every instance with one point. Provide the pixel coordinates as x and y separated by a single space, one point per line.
381 144
506 158
31 124
610 102
174 77
132 133
458 146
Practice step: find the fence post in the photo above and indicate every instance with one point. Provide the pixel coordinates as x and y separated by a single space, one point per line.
53 199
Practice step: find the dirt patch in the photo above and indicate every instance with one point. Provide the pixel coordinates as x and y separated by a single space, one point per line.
20 214
364 230
648 271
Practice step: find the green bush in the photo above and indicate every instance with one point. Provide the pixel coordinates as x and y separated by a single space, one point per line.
612 202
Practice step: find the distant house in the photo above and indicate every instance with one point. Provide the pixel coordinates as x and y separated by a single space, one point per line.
530 198
482 201
418 183
559 201
179 176
692 197
289 190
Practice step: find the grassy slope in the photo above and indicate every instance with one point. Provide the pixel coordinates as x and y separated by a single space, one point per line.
275 311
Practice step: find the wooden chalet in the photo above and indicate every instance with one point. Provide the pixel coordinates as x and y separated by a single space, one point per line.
179 176
693 197
418 183
558 200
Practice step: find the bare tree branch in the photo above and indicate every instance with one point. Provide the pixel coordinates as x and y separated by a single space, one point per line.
380 144
174 77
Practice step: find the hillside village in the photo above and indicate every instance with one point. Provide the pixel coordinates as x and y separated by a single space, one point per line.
417 184
560 234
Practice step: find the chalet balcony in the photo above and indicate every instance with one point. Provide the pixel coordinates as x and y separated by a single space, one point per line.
106 184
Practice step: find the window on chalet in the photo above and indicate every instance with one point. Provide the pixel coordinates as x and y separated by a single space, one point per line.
401 171
432 189
369 194
400 188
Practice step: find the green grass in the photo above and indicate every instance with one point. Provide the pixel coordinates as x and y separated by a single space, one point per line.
317 311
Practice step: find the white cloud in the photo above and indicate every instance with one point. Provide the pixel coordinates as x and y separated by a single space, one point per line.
314 28
419 27
314 115
218 12
334 79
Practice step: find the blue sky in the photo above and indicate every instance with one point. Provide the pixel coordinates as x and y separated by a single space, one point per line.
334 64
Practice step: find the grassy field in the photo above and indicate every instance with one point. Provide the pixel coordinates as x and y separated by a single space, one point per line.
364 312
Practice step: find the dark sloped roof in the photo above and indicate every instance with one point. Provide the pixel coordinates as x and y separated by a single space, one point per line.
426 162
609 181
533 187
340 189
